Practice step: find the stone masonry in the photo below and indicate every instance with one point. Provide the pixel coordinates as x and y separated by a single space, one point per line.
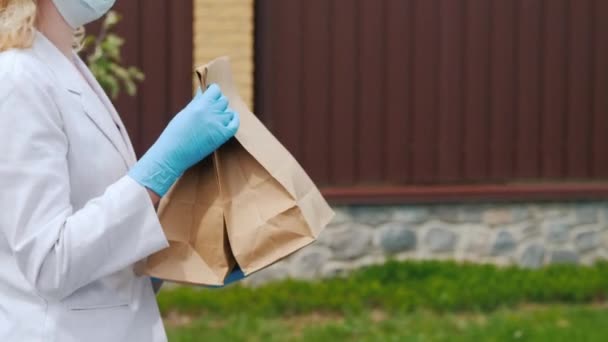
528 235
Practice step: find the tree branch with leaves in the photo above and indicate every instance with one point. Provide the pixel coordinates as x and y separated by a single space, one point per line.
103 56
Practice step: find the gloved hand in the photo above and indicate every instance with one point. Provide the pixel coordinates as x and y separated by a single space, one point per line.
193 134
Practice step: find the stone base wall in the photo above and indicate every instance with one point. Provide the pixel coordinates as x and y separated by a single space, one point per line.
528 235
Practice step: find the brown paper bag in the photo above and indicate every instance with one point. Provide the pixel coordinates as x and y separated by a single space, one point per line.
251 203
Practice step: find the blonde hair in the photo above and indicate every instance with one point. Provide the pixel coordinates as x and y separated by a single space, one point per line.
18 25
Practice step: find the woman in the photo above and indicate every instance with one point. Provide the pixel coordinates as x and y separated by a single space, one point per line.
77 209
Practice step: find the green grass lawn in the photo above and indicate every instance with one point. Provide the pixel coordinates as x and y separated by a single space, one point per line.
408 301
550 323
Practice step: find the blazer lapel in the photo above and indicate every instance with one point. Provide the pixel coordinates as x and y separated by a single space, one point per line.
80 82
101 102
97 112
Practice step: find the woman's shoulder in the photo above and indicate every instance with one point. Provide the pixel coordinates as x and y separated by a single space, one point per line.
17 66
22 69
26 90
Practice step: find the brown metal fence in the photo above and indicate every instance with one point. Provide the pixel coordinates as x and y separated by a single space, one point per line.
158 37
391 95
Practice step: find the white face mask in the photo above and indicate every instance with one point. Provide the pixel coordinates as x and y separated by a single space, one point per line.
81 12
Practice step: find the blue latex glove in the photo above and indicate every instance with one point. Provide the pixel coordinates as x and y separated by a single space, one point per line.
193 134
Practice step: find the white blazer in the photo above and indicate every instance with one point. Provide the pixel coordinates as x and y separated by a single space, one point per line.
72 224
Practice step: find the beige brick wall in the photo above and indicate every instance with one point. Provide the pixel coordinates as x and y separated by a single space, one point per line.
225 27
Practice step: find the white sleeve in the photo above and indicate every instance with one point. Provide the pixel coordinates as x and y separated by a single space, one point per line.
59 250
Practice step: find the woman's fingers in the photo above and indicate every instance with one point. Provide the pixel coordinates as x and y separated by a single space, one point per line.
234 124
221 105
226 117
213 93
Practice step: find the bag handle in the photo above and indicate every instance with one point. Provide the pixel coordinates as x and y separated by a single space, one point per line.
202 73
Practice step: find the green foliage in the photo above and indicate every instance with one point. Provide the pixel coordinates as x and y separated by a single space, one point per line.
104 59
400 287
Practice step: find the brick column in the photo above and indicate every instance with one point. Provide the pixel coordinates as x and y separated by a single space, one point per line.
226 27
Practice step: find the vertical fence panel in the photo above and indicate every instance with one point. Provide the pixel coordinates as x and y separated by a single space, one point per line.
579 82
398 89
287 74
154 90
158 40
371 92
502 89
600 104
426 62
344 85
530 18
476 84
180 54
451 91
129 29
315 103
554 96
